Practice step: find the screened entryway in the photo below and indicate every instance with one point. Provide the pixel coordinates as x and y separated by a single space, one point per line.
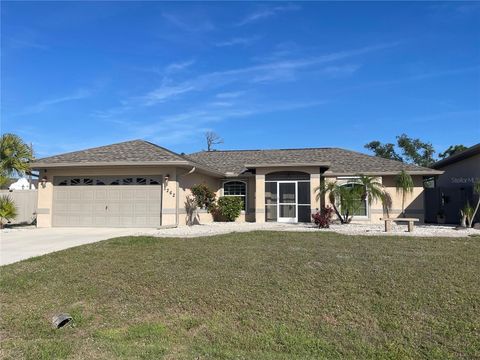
287 197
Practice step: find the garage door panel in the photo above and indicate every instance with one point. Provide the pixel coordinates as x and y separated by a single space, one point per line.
107 206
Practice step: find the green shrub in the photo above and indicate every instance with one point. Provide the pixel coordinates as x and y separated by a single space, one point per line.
229 207
204 197
8 210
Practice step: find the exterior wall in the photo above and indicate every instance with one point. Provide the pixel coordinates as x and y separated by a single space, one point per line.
26 204
414 204
463 173
45 192
186 181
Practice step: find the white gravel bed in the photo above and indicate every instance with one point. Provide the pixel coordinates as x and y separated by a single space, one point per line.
348 229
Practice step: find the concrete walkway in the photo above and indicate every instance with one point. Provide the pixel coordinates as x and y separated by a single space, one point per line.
22 243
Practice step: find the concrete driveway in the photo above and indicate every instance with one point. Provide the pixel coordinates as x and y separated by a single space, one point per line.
23 243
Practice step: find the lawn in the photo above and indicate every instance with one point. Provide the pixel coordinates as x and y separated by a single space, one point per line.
260 295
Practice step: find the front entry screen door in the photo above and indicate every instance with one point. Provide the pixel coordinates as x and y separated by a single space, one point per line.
287 201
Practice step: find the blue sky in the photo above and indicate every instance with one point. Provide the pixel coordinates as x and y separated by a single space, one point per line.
262 75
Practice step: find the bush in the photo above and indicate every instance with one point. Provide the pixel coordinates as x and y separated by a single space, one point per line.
229 207
8 210
323 218
204 197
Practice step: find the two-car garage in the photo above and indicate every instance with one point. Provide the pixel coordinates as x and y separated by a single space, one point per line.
107 201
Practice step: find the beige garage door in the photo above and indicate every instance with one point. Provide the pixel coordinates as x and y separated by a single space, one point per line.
107 205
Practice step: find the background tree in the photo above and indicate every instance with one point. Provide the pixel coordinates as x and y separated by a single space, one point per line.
416 151
453 149
212 139
404 185
413 151
386 151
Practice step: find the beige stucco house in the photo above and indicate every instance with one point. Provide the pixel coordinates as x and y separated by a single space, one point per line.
140 184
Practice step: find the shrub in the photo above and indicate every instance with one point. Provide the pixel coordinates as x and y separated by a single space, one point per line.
323 218
8 210
229 207
204 197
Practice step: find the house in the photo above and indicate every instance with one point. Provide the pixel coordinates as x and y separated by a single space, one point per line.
454 188
140 184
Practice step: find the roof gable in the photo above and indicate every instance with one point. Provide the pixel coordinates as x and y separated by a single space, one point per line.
135 151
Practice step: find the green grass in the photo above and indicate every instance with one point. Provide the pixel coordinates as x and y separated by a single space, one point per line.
261 295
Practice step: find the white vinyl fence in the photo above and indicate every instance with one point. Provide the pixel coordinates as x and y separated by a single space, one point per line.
26 203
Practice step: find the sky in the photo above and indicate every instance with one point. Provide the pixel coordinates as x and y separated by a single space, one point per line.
261 75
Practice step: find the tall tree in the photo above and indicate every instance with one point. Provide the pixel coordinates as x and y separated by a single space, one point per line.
452 150
416 151
386 151
15 156
404 185
412 150
212 139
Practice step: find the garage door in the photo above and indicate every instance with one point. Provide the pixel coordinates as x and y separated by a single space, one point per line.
107 201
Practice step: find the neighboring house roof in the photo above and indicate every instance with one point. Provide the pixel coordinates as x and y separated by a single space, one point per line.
233 162
465 154
338 161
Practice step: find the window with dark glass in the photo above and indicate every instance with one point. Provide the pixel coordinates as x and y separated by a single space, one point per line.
236 188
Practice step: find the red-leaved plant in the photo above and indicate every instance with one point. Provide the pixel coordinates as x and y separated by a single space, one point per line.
323 218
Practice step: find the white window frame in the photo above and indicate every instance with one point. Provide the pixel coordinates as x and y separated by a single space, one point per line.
352 180
245 200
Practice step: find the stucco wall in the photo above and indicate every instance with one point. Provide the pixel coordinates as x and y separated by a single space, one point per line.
460 174
414 203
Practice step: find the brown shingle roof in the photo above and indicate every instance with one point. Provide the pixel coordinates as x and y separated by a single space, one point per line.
233 162
340 161
135 151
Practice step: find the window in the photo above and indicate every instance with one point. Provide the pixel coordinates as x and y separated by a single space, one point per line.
236 188
360 205
106 180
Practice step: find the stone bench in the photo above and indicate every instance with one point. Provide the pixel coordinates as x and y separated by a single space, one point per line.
388 223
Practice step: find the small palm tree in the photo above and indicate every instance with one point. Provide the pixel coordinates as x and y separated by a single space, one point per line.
15 156
404 185
374 191
346 197
476 190
8 210
333 190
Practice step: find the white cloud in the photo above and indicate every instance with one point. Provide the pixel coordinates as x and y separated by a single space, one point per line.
166 92
230 95
266 12
191 25
245 41
44 104
178 66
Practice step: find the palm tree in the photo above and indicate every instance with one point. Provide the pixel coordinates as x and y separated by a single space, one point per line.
374 191
404 185
476 190
15 156
8 211
333 190
346 197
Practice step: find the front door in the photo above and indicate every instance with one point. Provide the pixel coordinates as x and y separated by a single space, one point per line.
287 202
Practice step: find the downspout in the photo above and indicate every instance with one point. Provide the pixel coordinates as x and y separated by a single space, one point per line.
177 214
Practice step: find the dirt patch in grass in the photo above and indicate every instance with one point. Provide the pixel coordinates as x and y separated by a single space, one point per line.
267 295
